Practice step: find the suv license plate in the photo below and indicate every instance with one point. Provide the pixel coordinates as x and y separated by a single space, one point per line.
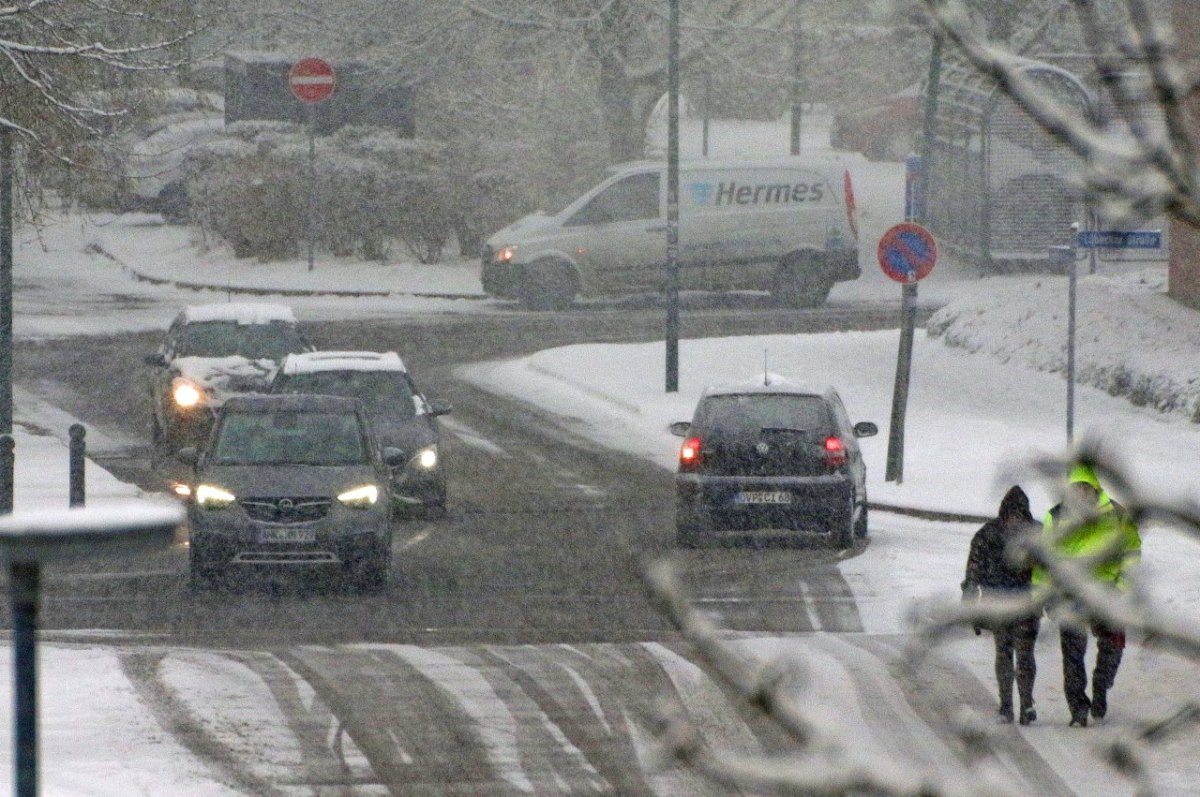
763 497
287 535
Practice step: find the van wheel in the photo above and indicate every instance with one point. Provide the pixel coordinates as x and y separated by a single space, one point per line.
797 286
548 285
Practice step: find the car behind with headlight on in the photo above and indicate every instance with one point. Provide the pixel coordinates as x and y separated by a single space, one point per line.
402 417
771 454
212 352
290 482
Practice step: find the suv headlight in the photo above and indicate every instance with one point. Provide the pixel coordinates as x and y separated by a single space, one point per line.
360 497
186 394
210 496
505 254
426 458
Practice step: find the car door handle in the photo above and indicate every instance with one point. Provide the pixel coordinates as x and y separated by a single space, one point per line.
658 228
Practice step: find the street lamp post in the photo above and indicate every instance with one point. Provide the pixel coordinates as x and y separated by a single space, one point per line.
27 540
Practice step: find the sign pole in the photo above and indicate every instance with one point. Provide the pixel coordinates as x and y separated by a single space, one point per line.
309 210
907 253
1072 279
311 80
673 199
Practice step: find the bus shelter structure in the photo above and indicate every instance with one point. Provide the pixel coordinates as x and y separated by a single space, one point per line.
1002 189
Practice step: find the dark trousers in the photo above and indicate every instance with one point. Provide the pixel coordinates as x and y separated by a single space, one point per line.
1014 646
1109 645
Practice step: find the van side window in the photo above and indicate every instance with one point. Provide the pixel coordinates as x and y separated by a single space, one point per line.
632 199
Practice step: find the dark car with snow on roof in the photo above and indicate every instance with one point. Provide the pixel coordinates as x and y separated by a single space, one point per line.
291 483
402 417
771 454
212 352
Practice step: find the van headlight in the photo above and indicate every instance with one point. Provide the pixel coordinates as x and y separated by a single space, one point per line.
505 254
360 497
210 496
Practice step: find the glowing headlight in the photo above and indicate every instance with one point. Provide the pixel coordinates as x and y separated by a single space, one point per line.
186 394
427 458
505 254
363 496
211 497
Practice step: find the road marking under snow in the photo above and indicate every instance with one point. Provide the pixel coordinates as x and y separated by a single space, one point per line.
473 438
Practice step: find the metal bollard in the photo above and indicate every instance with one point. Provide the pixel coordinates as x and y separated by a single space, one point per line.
7 460
77 449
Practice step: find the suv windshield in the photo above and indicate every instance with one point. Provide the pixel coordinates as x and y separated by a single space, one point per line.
751 412
225 339
293 438
383 392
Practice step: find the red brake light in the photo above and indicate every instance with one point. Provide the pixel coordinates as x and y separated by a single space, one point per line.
689 454
835 451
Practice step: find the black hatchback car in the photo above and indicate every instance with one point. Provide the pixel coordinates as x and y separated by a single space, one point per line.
771 455
290 482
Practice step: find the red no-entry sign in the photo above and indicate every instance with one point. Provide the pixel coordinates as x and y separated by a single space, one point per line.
311 80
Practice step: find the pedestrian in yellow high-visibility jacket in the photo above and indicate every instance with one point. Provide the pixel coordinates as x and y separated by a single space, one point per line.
1112 530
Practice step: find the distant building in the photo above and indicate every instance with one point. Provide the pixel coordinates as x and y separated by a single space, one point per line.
256 88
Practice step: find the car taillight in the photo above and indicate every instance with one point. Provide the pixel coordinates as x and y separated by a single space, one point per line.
689 454
835 451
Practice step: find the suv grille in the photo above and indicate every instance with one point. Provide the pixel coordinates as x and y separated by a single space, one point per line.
286 510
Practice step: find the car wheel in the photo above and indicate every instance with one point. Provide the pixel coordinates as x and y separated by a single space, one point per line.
548 285
797 286
369 575
203 575
841 532
860 525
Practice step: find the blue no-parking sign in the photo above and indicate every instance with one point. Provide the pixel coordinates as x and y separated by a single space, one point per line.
907 252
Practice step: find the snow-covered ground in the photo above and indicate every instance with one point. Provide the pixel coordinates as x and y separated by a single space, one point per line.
978 411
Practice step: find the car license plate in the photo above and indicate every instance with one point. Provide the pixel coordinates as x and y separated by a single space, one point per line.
287 535
763 497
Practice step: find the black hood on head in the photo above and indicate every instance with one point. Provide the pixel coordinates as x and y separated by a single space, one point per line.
1015 505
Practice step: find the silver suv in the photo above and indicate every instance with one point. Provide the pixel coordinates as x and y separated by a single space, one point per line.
771 454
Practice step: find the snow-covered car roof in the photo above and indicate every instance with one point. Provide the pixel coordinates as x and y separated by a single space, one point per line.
238 313
312 361
767 383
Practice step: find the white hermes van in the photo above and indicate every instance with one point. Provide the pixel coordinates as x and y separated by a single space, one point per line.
783 226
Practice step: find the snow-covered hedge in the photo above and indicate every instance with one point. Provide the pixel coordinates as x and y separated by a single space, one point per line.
371 189
1154 363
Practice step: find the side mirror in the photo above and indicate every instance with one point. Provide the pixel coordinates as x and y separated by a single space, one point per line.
393 456
865 429
156 360
438 407
189 455
680 428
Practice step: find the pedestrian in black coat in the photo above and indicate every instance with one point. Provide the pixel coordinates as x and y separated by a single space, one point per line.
994 573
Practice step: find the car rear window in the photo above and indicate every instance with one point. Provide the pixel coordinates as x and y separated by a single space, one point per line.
289 438
751 412
383 392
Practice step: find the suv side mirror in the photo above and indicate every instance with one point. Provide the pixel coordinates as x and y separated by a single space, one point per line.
865 429
393 455
156 360
189 455
680 428
438 407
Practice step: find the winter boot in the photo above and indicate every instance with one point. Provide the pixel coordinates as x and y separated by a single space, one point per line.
1028 715
1079 718
1005 714
1099 701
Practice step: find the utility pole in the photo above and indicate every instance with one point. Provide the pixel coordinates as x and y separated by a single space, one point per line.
672 335
797 78
6 279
